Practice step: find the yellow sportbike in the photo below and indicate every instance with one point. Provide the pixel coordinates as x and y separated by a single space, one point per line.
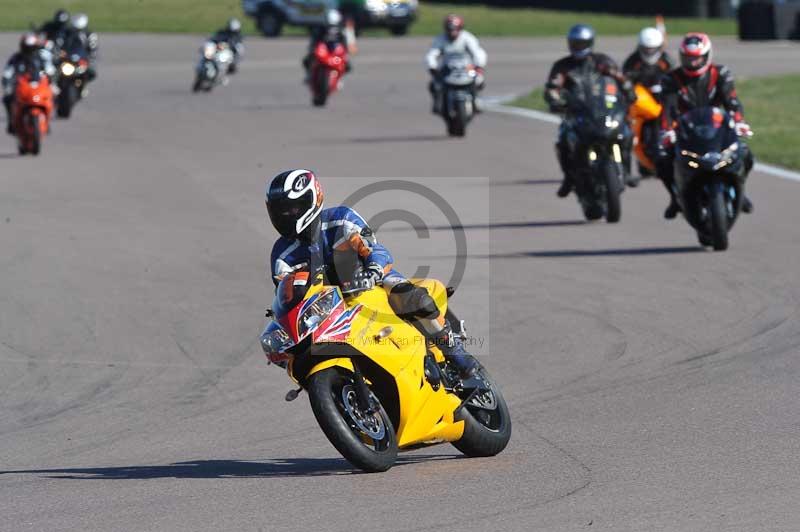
376 385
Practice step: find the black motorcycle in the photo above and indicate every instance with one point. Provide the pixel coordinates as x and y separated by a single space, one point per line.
709 174
73 69
596 119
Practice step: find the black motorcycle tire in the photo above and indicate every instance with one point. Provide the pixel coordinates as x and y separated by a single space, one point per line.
324 390
457 125
66 100
479 440
36 143
320 89
718 215
613 193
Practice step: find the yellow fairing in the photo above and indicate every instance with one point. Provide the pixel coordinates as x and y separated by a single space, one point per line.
332 362
425 415
645 109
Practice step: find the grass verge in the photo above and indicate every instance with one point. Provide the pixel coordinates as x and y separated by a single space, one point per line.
771 105
529 22
203 16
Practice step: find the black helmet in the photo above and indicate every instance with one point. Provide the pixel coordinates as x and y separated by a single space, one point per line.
28 43
581 40
294 203
61 16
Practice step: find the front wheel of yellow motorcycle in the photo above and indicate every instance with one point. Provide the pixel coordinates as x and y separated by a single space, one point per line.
366 439
487 421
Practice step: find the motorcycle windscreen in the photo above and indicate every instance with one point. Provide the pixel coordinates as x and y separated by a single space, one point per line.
604 103
290 292
706 130
457 69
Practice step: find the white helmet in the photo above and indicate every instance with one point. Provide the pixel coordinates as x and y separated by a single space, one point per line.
650 43
333 17
80 21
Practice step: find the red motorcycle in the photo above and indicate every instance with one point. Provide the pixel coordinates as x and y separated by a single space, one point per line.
327 70
32 107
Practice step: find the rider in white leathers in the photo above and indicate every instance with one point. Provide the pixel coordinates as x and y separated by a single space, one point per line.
454 40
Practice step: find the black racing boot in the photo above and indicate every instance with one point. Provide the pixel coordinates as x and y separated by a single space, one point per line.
672 209
747 205
452 346
565 188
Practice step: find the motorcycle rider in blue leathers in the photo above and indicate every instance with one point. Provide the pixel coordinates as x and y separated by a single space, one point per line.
295 205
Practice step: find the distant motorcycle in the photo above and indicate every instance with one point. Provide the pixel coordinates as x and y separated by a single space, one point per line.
709 165
32 107
73 77
211 70
458 78
597 118
328 66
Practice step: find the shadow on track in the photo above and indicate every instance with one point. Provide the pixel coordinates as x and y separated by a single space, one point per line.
489 226
278 467
528 182
9 155
565 253
396 138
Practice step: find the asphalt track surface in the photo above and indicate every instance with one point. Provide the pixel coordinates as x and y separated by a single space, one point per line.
653 385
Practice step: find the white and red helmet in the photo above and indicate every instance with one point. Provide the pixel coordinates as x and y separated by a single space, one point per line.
294 203
695 52
453 24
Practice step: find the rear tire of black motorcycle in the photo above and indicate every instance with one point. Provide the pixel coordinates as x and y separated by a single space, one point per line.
719 220
479 441
320 392
613 194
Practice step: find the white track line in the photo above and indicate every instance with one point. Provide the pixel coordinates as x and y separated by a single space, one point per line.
495 105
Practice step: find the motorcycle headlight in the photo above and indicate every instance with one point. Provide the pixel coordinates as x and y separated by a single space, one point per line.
316 313
611 123
67 69
728 155
275 341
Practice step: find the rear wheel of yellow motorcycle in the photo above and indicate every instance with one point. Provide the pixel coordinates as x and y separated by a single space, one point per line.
366 440
487 422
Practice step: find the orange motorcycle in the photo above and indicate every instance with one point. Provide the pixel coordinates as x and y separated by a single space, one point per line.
32 107
643 116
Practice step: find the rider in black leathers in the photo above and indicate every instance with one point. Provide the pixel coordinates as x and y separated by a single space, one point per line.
563 75
57 29
231 34
697 83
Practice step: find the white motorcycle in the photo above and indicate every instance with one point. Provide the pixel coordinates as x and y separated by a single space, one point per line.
458 80
212 69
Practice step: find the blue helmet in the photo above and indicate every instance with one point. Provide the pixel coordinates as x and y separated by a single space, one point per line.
581 40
